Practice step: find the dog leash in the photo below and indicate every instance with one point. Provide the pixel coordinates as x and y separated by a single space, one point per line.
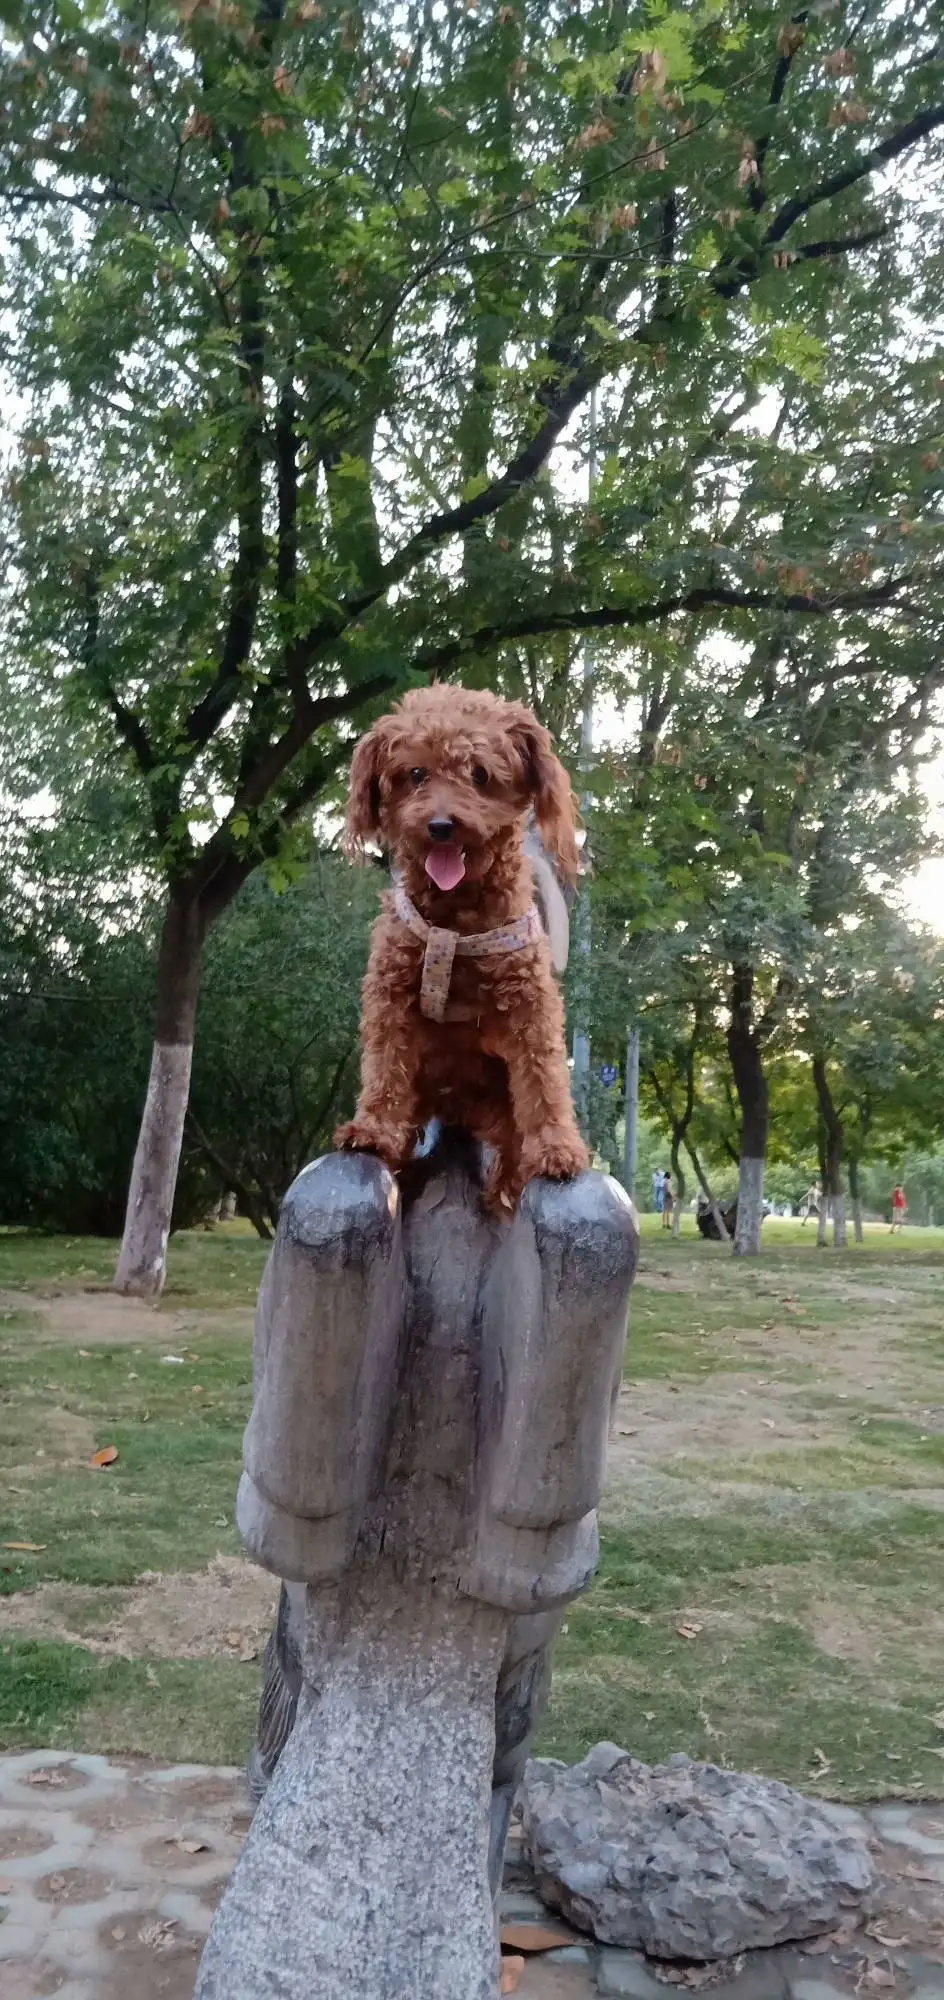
442 947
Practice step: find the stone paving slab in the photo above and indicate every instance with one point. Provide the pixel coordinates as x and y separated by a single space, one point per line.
110 1873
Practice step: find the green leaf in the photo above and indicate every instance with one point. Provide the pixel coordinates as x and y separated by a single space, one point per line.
452 193
803 353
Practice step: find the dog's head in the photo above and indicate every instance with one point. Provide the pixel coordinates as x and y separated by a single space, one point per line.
447 780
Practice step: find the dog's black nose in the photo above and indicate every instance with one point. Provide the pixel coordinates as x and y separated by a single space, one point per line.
441 829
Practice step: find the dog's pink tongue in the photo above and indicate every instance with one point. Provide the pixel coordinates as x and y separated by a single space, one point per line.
445 866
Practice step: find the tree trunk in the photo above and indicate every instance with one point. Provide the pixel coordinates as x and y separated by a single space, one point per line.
678 1182
833 1138
856 1198
744 1052
141 1263
701 1177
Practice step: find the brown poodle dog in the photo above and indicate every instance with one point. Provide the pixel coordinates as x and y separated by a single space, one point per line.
457 1025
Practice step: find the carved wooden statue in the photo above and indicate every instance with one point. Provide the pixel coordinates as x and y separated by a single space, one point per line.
423 1463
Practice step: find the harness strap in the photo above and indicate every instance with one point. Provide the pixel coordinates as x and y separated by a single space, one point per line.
442 947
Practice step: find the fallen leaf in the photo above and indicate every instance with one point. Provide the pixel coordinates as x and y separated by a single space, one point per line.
881 1937
879 1977
511 1971
157 1932
86 1356
119 1935
768 1423
821 1766
47 1778
193 1846
28 1548
251 1652
56 1883
535 1937
689 1630
106 1456
234 1638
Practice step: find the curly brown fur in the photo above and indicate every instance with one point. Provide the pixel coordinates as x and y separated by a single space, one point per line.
497 1064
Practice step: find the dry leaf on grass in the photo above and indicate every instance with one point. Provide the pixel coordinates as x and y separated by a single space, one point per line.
689 1630
106 1456
821 1764
535 1937
511 1971
27 1548
193 1846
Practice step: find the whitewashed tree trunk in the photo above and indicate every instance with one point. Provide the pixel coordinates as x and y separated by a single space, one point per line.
822 1221
750 1213
745 1052
856 1199
838 1205
142 1259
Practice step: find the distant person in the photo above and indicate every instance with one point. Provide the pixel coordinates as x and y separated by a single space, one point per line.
810 1203
899 1207
658 1190
668 1197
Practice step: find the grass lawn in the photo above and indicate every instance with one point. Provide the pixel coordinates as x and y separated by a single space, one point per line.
771 1592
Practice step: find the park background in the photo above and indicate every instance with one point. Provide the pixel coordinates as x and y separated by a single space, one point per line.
593 356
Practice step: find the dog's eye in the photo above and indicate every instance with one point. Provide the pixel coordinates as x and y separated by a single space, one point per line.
418 775
480 776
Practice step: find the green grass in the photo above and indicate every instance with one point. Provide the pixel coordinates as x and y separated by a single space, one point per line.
196 1711
205 1268
807 1567
750 1686
167 1502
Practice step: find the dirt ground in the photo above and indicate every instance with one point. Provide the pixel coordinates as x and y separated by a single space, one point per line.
226 1610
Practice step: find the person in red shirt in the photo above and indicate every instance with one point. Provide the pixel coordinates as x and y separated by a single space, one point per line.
899 1206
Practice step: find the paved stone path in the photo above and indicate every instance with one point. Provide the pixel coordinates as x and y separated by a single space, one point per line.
110 1872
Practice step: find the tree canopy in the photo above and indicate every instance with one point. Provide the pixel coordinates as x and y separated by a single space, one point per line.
303 311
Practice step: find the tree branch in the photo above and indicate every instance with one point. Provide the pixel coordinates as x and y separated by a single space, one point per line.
620 616
887 149
790 47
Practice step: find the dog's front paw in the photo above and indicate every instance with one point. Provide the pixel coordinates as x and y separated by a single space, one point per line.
555 1155
359 1135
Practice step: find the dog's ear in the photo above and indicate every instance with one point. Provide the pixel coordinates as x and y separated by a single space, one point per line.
362 819
555 807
